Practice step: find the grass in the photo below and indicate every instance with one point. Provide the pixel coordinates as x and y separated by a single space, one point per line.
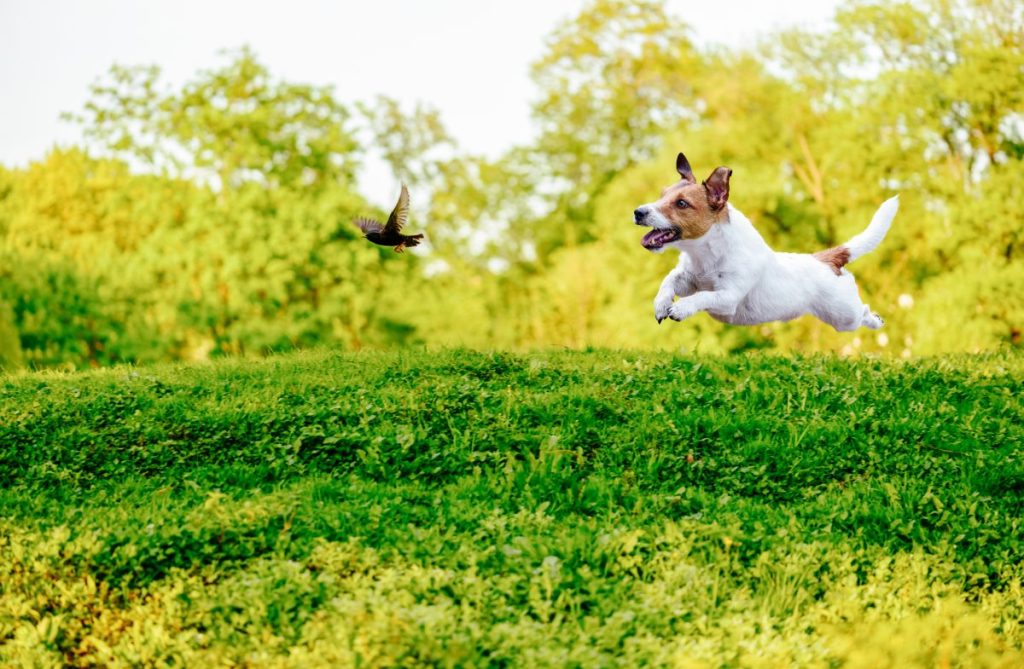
468 509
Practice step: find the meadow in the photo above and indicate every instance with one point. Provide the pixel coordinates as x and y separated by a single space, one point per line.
562 509
234 433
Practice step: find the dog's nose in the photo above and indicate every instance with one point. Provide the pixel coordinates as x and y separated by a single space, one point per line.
639 214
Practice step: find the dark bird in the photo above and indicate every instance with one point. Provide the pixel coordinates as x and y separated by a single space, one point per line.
391 234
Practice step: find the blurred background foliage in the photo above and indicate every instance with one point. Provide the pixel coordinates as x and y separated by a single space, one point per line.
215 219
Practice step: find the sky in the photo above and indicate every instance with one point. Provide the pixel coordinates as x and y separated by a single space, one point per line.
468 58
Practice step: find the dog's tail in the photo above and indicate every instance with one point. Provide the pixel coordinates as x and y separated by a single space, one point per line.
867 241
873 235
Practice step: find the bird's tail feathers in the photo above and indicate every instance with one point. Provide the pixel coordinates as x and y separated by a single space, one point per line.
413 240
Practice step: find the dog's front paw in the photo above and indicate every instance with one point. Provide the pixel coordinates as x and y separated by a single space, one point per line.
680 311
662 305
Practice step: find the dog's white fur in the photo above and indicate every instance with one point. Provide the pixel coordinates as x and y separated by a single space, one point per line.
731 273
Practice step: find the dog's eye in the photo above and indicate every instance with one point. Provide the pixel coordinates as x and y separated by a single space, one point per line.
682 204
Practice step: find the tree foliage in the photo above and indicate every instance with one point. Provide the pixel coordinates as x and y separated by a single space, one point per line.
214 218
234 125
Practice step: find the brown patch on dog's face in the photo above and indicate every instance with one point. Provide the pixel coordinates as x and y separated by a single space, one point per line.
693 208
686 209
835 258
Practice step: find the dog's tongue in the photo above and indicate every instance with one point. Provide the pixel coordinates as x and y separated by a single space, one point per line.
656 238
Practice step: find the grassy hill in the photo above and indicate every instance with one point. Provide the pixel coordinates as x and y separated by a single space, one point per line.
563 509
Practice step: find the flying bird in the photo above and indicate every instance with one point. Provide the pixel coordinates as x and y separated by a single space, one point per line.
391 233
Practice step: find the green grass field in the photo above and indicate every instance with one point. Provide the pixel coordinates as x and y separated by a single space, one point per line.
549 510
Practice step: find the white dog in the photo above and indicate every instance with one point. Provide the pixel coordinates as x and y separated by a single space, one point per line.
726 269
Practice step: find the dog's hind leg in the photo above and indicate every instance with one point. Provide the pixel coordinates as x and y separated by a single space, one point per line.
840 306
849 317
870 319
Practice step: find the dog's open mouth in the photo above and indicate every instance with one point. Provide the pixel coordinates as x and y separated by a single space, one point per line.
658 237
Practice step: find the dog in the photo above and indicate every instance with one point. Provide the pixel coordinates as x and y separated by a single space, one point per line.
728 270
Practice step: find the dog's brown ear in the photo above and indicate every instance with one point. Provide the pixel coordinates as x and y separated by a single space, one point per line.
683 167
717 187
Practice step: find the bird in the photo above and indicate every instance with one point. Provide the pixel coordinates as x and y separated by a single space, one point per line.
391 233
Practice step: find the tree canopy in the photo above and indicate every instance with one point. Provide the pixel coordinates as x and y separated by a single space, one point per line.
214 218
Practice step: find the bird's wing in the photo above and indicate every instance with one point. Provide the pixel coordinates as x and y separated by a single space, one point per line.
368 225
400 214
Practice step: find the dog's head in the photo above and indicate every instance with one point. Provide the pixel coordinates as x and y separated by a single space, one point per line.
686 209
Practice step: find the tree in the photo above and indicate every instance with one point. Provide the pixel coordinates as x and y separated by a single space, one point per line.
414 145
231 126
10 342
611 81
253 249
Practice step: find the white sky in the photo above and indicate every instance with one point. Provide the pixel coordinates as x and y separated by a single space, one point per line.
469 58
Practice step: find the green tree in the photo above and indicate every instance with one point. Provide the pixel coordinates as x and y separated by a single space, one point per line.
242 242
235 125
10 342
215 218
56 314
414 145
611 81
